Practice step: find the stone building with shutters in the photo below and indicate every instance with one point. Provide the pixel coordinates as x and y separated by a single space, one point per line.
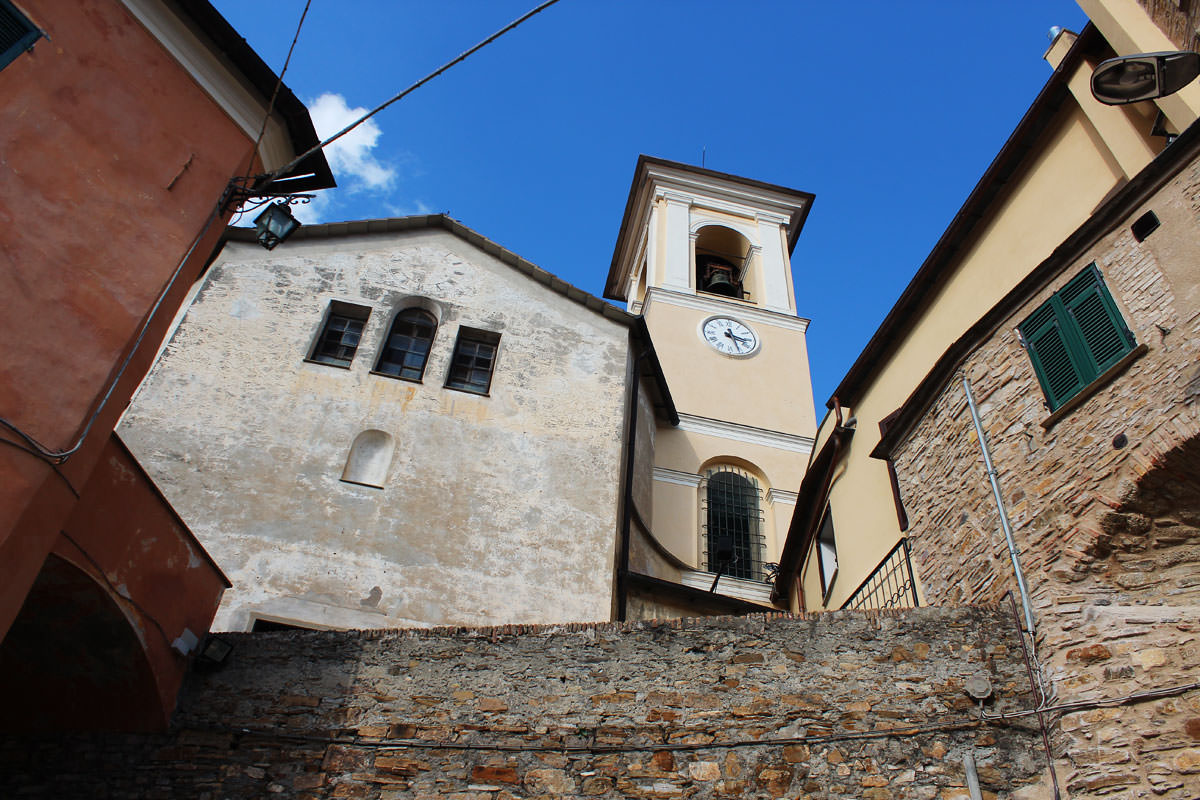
1065 297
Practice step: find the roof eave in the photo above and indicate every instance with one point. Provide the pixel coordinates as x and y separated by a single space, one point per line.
612 288
1010 158
444 222
313 173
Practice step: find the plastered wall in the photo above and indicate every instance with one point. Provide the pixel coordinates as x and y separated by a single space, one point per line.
495 508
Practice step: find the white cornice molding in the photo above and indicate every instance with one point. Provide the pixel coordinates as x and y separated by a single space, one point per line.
673 197
677 477
773 219
716 305
780 496
745 434
214 77
706 190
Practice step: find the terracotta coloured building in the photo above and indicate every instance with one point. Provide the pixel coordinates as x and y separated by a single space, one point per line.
122 122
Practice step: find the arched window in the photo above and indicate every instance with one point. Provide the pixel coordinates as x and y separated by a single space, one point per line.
406 350
733 540
722 258
370 458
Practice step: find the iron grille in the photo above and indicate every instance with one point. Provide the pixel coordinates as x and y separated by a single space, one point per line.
731 537
891 585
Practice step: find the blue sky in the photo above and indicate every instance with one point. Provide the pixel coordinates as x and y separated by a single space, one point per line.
888 112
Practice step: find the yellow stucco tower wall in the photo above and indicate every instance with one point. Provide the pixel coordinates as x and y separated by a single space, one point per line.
705 257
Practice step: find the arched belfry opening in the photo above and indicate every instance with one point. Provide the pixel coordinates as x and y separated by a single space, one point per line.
722 261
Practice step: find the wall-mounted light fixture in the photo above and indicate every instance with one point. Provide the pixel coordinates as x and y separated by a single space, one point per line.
276 223
1143 76
215 650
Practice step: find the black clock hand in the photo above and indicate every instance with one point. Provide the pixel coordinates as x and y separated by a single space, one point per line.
731 335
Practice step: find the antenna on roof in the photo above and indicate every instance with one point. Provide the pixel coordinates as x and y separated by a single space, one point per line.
703 153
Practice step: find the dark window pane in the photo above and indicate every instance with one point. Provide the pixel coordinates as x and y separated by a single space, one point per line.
339 340
473 361
732 526
408 344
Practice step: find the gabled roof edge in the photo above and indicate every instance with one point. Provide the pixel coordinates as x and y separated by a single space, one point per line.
449 224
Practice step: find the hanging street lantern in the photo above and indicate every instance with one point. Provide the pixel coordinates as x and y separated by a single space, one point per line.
275 224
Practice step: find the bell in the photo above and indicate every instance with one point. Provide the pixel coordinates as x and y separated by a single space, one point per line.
717 278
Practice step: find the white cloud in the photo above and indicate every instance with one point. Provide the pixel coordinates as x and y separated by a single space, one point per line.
314 211
351 157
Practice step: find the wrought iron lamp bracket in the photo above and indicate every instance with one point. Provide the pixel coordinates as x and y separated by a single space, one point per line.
251 192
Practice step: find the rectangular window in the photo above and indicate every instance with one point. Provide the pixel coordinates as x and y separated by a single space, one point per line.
1075 336
827 562
17 33
339 337
473 361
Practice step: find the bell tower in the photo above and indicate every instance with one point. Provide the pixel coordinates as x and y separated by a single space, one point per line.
705 257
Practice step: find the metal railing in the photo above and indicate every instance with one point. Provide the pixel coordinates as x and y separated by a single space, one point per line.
890 585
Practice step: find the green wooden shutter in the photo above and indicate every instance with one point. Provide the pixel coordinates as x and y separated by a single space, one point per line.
1054 361
17 34
1075 336
1102 332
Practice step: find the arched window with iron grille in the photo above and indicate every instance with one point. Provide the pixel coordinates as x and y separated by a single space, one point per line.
406 350
732 538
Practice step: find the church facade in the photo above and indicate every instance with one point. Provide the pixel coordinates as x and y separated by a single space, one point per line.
398 423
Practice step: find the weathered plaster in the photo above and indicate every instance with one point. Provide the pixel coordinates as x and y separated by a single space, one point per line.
496 509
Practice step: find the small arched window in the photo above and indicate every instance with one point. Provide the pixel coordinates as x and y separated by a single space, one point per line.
722 257
406 350
370 458
733 540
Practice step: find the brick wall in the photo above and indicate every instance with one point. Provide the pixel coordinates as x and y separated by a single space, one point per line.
1108 527
842 705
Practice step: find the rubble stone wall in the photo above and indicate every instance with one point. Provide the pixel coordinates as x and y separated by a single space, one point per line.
841 705
1105 506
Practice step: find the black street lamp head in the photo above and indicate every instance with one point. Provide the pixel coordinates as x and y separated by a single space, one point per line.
275 224
1143 76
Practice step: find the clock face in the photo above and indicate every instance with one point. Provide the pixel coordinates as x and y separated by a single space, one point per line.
727 335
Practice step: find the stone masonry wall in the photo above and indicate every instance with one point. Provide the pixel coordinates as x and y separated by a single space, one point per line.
841 705
1105 506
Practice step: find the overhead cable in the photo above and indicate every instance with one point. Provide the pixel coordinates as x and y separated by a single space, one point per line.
510 26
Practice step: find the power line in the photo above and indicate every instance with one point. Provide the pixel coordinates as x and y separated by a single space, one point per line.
590 749
279 81
510 26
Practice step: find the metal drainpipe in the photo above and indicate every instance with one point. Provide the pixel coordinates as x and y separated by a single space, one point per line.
627 515
1004 523
972 777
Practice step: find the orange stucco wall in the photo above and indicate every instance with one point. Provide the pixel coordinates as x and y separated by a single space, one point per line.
112 160
126 536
